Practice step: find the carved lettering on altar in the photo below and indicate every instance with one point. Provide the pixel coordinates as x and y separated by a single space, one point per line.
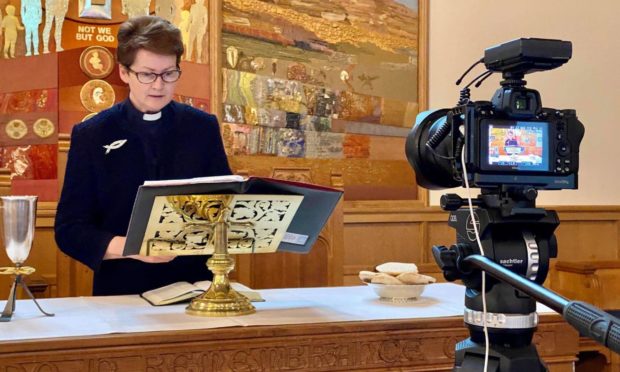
44 367
449 345
398 351
389 351
106 365
297 357
369 353
240 360
411 350
356 351
333 355
188 362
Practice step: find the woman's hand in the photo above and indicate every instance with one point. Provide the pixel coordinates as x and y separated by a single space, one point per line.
115 251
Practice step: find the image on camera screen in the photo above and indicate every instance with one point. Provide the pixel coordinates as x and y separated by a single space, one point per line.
519 146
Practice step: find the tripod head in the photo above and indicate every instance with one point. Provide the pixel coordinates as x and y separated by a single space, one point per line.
513 232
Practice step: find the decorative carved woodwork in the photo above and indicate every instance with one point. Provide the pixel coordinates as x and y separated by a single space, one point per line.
421 344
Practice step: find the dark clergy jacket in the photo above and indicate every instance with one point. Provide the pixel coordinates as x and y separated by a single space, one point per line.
101 182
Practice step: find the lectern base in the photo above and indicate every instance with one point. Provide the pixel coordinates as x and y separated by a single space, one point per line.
220 304
220 299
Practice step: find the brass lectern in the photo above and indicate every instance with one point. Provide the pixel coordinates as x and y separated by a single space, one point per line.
220 299
219 216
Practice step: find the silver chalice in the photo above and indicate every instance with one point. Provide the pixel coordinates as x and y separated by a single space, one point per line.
18 217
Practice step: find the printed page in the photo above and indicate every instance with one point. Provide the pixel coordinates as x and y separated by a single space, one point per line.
197 180
172 293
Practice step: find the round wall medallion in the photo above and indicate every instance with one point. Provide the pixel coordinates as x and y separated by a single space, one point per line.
16 129
43 127
97 62
97 95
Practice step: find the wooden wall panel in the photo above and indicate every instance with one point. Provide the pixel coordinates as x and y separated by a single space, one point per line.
407 231
438 233
381 231
322 266
588 240
368 245
589 281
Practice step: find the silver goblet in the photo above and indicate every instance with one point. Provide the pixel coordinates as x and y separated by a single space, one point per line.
18 217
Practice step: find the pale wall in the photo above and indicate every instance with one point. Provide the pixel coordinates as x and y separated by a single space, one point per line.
589 82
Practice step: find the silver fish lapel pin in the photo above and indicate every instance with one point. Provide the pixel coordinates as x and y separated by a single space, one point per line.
114 145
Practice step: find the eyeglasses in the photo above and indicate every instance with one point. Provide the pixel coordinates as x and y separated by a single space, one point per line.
169 76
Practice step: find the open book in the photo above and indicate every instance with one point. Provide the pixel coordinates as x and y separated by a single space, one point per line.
182 291
176 217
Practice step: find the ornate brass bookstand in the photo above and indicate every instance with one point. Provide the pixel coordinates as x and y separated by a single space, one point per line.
220 299
18 216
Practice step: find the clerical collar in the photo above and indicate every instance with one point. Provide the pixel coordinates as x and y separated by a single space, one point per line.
151 117
138 116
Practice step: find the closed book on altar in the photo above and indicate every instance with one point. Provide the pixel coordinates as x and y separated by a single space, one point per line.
176 217
184 291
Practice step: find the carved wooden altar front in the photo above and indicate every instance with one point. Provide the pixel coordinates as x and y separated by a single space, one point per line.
419 345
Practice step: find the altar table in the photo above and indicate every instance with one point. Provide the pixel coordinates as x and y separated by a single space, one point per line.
311 329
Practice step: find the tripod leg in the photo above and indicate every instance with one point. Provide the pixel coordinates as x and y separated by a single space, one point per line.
469 357
25 287
7 314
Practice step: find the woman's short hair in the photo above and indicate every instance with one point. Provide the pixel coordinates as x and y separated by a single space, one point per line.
151 33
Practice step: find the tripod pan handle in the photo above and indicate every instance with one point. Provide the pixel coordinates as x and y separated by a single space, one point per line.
594 323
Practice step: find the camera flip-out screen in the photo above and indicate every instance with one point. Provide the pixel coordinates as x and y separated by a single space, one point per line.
515 145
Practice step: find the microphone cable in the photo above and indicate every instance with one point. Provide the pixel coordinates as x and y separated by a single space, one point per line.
484 292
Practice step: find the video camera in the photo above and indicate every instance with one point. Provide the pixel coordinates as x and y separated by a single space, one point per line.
510 147
510 141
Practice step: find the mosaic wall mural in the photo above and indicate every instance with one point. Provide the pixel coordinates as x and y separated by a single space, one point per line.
316 78
330 80
71 45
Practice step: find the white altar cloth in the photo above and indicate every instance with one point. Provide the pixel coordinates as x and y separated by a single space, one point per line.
89 316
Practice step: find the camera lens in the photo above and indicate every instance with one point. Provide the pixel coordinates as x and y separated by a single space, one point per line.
432 163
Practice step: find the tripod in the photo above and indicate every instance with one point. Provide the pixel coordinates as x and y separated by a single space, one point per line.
519 236
518 268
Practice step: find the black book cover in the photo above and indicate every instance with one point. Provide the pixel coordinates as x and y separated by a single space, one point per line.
316 206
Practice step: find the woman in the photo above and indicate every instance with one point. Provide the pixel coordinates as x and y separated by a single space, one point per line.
146 137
